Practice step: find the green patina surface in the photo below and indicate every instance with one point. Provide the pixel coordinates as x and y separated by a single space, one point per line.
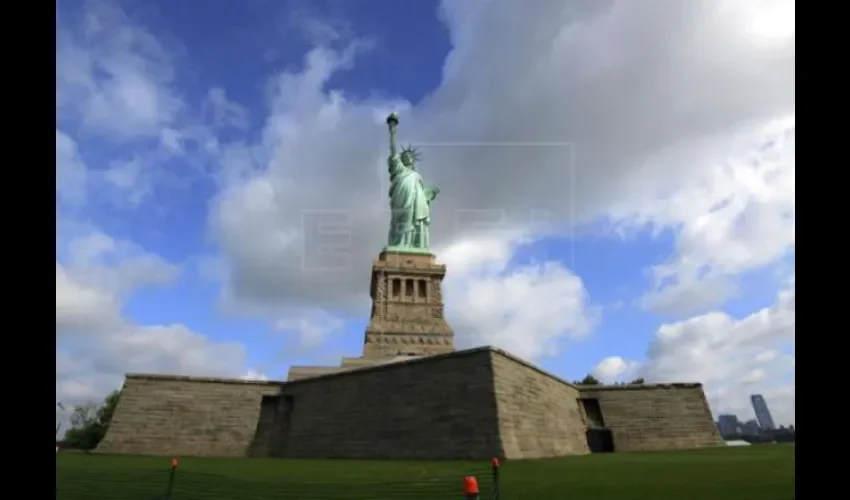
410 198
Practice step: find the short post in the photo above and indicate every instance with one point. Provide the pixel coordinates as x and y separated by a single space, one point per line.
470 488
496 467
171 479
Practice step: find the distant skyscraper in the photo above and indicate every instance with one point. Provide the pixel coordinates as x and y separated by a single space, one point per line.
762 413
728 425
750 428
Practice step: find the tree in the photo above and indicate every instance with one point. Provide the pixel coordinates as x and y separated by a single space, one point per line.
589 380
89 423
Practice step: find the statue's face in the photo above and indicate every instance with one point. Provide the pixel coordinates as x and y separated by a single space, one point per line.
407 159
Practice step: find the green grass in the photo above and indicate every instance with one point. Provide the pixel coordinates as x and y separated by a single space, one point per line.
747 473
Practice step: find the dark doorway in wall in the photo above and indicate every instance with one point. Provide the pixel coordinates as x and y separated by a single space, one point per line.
593 413
599 437
600 440
285 415
264 435
272 433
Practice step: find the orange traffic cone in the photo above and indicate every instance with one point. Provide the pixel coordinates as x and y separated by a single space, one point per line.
470 488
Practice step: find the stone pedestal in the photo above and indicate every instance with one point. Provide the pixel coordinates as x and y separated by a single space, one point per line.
407 307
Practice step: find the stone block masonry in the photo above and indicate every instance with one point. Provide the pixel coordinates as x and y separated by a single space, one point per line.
428 408
472 404
407 316
189 416
656 417
538 413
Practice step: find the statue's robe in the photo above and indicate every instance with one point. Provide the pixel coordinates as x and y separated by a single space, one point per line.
409 203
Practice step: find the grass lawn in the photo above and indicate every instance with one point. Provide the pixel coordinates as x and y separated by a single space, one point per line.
763 472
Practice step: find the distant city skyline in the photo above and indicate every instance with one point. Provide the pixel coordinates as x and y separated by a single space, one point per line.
729 424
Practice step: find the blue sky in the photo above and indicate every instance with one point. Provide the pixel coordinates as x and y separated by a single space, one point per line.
180 124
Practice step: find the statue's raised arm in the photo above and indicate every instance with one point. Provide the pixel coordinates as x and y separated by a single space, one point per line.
392 123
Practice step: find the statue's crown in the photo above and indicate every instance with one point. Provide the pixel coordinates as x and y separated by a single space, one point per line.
413 152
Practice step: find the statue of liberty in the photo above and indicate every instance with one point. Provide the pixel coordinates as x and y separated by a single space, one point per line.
410 199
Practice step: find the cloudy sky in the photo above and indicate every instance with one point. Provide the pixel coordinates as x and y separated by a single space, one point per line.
617 184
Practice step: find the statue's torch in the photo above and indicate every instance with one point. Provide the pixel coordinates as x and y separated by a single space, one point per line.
392 122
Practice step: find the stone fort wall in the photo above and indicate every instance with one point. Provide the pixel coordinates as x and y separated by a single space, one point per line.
538 413
188 416
438 407
656 417
471 404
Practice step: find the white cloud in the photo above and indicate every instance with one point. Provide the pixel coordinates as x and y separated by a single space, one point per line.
652 102
97 345
116 86
225 113
70 170
615 369
766 356
120 267
528 310
172 140
736 217
312 328
113 75
80 307
663 115
115 79
253 375
129 178
770 21
732 357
